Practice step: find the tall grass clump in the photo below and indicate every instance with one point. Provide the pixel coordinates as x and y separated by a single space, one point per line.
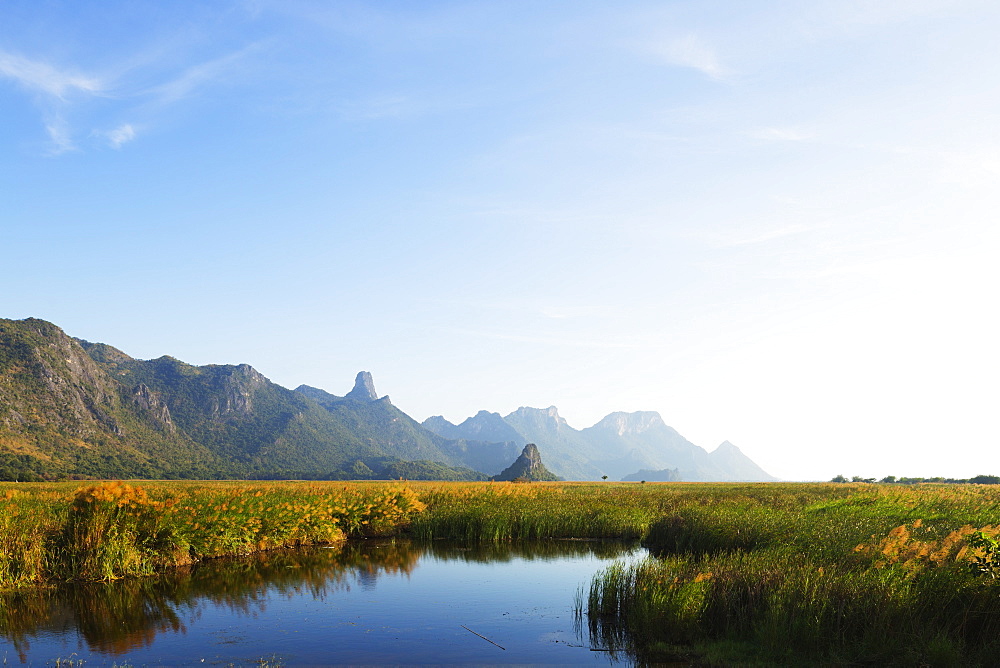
113 530
28 525
110 530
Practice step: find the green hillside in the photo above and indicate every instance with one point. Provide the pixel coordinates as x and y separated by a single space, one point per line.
62 414
71 408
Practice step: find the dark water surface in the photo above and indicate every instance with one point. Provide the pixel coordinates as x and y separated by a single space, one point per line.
364 603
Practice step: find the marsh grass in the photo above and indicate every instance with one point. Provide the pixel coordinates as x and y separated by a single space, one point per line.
28 524
511 512
113 530
855 579
110 530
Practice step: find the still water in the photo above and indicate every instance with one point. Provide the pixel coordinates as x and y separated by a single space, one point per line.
363 603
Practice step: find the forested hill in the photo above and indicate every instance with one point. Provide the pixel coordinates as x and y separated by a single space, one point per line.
69 407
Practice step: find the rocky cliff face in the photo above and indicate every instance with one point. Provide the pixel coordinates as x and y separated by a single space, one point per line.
637 422
47 381
150 403
236 387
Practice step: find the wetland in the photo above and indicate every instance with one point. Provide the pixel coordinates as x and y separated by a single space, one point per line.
728 573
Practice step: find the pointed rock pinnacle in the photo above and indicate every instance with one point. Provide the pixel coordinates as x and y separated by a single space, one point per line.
364 388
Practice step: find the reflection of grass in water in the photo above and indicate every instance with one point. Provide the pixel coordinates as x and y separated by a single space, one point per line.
537 550
120 617
127 615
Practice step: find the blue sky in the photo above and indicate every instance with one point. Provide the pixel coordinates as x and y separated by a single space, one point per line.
774 223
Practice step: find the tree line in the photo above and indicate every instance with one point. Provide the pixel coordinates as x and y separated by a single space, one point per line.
976 480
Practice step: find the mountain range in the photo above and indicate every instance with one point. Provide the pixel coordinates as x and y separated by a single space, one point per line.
72 408
619 445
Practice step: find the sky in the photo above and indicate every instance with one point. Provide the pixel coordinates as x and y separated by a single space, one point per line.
775 223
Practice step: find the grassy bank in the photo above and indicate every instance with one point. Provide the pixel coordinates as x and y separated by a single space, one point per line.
61 531
742 573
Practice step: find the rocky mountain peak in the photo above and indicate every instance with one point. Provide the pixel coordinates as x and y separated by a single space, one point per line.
364 388
631 423
486 421
528 466
545 416
249 373
438 424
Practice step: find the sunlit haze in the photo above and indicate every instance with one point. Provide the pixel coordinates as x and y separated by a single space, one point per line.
776 223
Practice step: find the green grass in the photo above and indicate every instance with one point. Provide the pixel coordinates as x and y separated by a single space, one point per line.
511 511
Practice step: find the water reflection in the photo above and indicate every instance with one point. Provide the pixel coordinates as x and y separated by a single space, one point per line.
122 617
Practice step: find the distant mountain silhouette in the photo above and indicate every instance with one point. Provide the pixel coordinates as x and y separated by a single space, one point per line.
69 407
618 446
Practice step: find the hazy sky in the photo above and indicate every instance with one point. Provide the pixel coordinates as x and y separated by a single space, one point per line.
773 222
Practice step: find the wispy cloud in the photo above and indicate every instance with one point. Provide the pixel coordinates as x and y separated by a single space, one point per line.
40 76
53 88
60 136
121 135
58 92
200 75
691 51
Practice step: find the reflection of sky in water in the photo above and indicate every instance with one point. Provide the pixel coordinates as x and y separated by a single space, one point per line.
375 603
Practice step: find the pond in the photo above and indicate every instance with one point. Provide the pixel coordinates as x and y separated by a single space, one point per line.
366 602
